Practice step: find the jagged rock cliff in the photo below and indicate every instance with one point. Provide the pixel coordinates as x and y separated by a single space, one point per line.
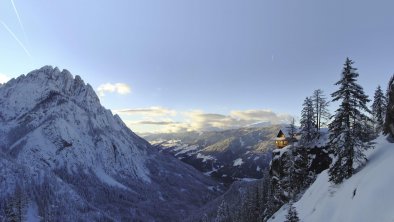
64 157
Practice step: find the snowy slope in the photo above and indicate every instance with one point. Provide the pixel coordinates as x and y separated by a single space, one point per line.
53 124
366 196
51 117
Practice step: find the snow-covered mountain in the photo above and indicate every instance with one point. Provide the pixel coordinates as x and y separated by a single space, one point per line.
226 155
64 157
366 196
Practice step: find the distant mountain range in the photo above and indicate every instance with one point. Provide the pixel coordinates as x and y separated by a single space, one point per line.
229 155
64 157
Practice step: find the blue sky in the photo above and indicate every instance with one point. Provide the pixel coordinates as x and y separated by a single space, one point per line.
201 64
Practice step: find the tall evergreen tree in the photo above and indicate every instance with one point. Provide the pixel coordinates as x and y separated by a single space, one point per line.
270 205
379 108
16 206
320 104
347 137
292 130
308 124
292 215
223 213
388 88
388 123
286 184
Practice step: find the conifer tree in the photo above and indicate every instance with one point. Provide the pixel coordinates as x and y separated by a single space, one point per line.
204 218
292 215
292 130
320 105
286 184
308 124
388 88
223 213
379 108
270 207
348 130
389 120
16 206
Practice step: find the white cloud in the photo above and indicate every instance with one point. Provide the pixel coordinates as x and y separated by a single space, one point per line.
158 119
201 121
148 126
154 111
256 115
4 78
120 88
150 122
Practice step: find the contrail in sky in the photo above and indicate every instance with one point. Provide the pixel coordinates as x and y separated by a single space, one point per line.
19 19
16 38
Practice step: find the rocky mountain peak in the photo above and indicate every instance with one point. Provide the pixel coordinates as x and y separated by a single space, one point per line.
52 125
42 85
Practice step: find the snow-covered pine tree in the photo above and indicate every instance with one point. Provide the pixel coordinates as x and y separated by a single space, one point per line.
286 183
300 178
223 213
388 88
389 120
347 137
204 218
265 189
320 105
248 205
308 124
270 207
291 130
292 215
379 108
257 208
16 206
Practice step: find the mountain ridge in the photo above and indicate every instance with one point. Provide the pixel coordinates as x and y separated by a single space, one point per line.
54 126
227 155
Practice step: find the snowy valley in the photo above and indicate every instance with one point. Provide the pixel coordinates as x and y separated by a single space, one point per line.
229 155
